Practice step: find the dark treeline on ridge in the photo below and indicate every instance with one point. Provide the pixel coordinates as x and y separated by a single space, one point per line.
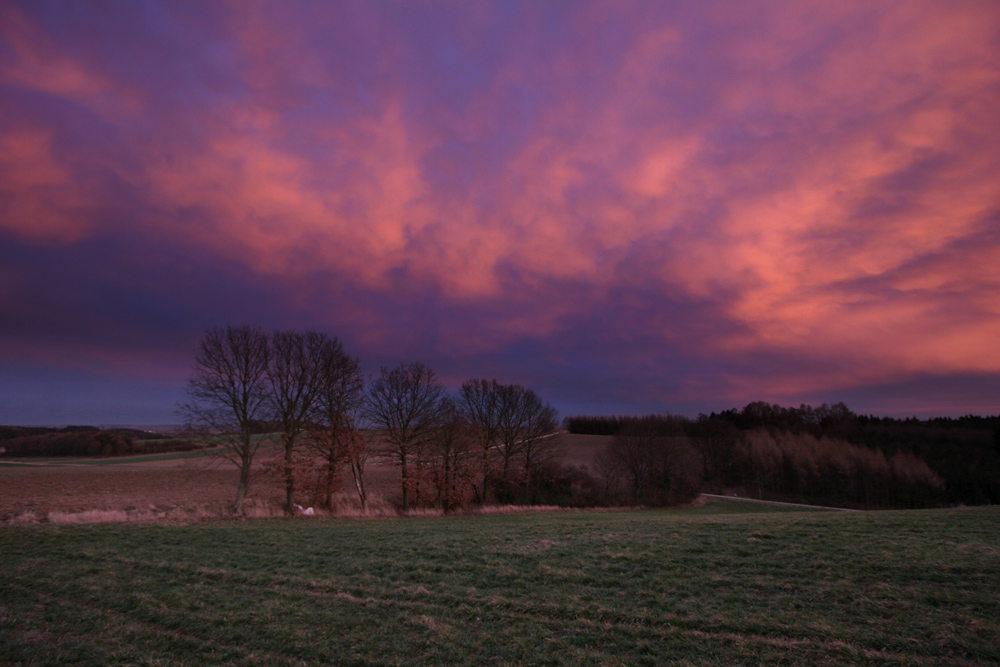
90 441
828 454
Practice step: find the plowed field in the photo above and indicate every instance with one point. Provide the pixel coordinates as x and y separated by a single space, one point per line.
148 490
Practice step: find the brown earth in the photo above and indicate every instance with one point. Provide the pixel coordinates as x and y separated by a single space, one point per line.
75 491
179 489
182 489
36 490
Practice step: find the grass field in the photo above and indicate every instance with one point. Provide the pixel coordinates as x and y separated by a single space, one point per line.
588 588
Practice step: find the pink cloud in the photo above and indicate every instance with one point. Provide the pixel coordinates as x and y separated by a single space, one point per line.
788 165
38 64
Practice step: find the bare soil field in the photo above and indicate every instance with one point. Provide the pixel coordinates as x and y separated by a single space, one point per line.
183 489
76 490
152 490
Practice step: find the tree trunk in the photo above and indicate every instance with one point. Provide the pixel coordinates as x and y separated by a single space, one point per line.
486 477
289 479
528 490
636 488
505 480
330 470
240 490
416 481
446 501
241 487
404 482
359 483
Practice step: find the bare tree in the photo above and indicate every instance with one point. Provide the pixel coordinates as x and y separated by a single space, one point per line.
229 394
513 405
540 444
480 400
337 417
634 448
358 451
654 457
450 456
524 421
405 403
292 382
611 470
511 420
676 471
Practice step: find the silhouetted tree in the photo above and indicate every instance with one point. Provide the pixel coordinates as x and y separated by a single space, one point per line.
91 442
405 403
480 400
293 380
229 393
450 457
337 418
962 454
540 444
513 404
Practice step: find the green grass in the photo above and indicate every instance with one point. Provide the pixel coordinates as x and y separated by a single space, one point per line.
632 588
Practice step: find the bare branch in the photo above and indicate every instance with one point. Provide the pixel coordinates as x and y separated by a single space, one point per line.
228 392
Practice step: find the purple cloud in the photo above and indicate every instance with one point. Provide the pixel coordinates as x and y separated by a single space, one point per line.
635 206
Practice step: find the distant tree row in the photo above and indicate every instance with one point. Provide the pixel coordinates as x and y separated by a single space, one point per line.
87 441
829 471
11 432
494 442
755 415
607 425
490 442
825 455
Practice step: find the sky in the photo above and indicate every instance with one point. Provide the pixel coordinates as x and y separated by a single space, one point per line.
628 207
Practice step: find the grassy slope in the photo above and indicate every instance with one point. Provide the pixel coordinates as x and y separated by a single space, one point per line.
804 588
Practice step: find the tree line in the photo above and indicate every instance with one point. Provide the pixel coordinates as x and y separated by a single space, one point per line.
487 443
825 455
495 442
88 441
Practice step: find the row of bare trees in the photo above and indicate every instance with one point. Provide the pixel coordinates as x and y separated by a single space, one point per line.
303 385
513 422
483 445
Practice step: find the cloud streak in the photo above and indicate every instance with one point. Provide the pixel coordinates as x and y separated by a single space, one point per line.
687 207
